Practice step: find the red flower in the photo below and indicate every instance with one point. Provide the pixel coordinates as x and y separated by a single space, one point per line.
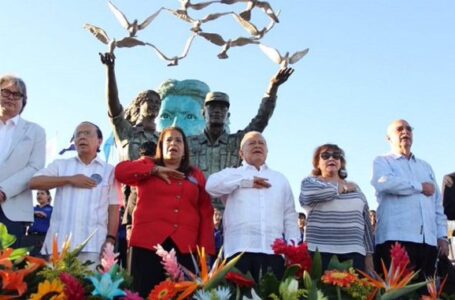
400 259
74 290
294 255
239 280
163 291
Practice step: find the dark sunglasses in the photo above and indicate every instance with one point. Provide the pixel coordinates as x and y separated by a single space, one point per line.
327 155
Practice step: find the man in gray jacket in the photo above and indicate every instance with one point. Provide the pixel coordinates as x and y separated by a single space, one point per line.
22 153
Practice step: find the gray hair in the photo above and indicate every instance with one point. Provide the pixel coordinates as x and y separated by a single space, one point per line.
19 83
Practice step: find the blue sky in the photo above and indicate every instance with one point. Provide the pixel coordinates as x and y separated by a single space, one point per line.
370 62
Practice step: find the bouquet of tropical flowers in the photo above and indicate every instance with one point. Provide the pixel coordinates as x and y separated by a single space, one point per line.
62 277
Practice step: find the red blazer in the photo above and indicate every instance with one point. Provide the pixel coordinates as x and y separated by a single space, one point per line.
181 210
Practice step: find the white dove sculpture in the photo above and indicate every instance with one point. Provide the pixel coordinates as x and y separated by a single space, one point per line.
102 36
185 4
218 40
174 61
133 27
246 14
196 24
252 29
277 58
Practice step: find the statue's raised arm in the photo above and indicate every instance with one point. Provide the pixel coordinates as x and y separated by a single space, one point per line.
113 101
267 106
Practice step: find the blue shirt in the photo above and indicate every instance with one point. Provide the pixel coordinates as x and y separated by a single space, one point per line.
404 213
40 224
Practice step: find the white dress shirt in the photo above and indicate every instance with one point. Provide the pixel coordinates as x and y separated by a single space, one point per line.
254 218
79 211
6 136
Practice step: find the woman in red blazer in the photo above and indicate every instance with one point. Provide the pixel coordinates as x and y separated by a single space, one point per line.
173 209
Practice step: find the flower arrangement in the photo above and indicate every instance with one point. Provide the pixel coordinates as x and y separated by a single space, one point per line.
64 277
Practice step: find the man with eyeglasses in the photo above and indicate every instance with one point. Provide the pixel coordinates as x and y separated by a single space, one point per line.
86 198
22 153
410 207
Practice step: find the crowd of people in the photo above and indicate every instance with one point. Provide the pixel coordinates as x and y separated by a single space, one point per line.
212 190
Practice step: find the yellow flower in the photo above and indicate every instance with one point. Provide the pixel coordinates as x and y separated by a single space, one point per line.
50 290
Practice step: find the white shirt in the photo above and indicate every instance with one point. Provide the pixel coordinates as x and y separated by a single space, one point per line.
79 211
254 218
6 136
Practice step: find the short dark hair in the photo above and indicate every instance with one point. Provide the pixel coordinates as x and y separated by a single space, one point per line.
317 156
185 166
147 149
99 133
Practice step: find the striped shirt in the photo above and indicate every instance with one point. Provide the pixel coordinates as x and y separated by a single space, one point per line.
336 223
79 211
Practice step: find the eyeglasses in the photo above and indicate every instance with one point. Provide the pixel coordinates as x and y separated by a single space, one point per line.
401 128
10 94
327 155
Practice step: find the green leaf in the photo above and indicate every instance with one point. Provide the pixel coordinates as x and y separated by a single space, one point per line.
6 239
307 282
79 248
268 284
291 271
337 265
19 254
316 269
212 282
403 291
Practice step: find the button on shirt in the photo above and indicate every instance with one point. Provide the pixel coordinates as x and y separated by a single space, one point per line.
79 211
254 218
404 213
6 136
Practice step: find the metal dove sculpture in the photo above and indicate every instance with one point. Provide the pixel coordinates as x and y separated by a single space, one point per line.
185 4
102 36
196 25
246 14
226 45
252 29
174 61
277 58
134 27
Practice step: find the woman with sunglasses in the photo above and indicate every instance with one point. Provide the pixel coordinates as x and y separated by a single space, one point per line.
338 221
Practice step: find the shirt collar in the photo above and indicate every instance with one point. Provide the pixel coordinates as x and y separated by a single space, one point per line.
14 121
97 160
399 156
204 138
248 166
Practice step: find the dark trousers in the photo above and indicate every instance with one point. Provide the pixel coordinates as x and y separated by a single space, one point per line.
422 257
358 260
15 228
147 270
259 264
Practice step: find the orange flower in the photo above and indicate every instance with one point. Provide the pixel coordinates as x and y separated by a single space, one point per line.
5 258
435 294
163 291
13 281
339 278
